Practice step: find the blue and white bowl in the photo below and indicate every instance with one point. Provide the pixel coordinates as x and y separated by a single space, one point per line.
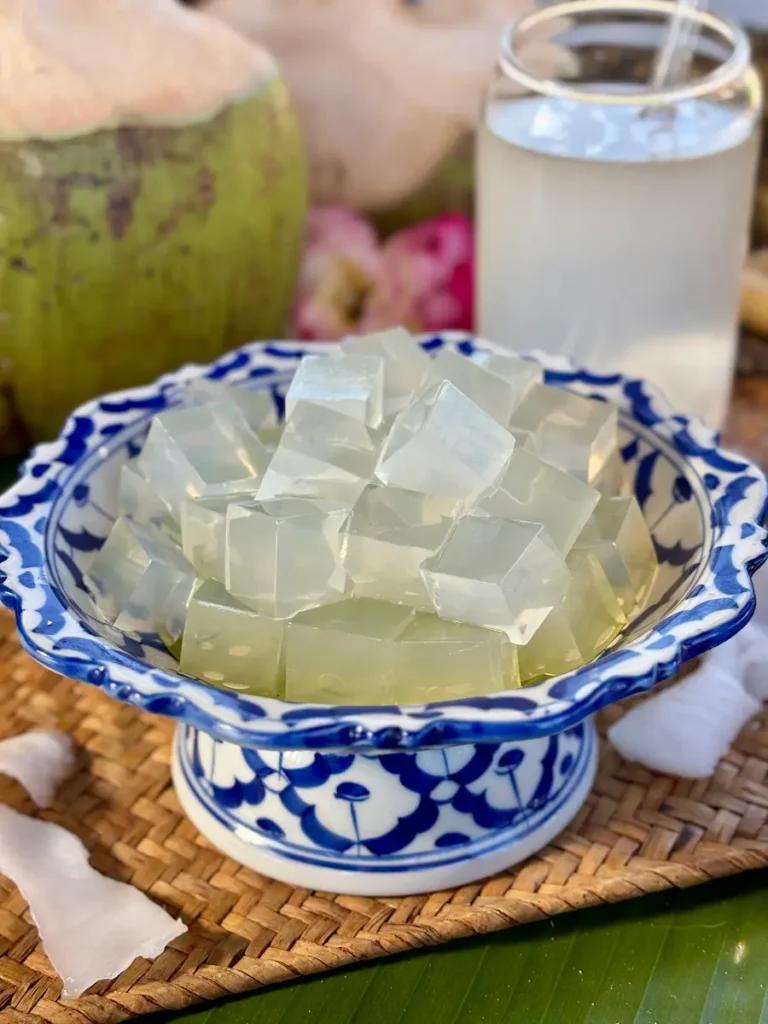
382 800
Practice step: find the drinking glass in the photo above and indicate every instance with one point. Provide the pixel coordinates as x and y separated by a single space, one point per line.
613 217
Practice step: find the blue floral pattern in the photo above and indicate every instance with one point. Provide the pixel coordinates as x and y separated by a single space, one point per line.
706 508
391 812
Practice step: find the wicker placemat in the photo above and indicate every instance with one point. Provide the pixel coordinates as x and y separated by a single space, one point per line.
639 833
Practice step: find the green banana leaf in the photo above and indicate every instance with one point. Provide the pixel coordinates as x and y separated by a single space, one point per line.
698 956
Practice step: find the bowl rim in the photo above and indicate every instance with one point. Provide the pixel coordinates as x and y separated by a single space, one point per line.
722 602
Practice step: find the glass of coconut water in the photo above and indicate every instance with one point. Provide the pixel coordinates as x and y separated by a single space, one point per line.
613 213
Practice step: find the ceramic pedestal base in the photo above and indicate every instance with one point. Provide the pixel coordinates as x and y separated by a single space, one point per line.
384 824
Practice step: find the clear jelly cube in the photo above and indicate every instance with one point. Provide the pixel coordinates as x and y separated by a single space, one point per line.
577 434
256 407
321 454
229 645
406 364
138 500
520 374
492 393
497 573
445 444
363 651
202 452
141 582
389 533
612 481
538 492
525 440
270 437
618 535
283 555
580 627
203 533
353 386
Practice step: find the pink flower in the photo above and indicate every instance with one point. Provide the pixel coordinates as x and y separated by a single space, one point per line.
420 278
340 263
425 278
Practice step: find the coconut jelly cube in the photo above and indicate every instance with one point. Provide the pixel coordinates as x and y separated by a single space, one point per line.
618 535
353 385
451 660
445 444
611 481
256 407
202 452
406 364
520 374
574 433
497 573
141 582
387 536
203 533
491 392
524 440
363 651
230 645
138 500
577 629
538 492
322 454
283 555
270 437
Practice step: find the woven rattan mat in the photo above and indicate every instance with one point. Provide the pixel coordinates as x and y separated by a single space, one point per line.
639 833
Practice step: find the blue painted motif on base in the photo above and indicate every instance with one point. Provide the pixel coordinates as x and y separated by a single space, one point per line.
294 816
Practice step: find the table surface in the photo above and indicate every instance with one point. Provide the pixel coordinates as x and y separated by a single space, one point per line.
698 956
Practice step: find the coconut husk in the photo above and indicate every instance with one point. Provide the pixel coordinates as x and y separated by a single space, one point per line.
125 177
384 91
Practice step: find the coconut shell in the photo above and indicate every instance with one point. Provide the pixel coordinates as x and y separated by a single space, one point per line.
384 90
76 66
125 253
169 235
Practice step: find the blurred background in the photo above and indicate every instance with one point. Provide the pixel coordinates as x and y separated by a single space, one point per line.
339 199
417 164
754 12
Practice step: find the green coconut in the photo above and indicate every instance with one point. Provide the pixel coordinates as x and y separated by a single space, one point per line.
152 197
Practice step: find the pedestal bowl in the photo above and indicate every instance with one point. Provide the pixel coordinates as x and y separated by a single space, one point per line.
383 800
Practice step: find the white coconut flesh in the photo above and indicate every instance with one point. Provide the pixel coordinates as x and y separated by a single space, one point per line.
92 927
39 760
71 67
